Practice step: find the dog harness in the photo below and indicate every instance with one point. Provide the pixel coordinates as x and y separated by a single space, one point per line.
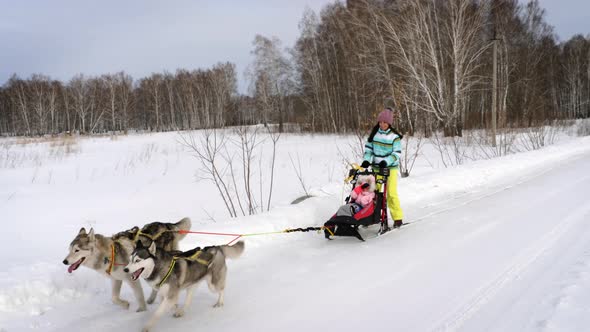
193 258
149 236
111 261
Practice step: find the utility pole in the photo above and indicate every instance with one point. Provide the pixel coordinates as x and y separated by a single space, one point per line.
494 87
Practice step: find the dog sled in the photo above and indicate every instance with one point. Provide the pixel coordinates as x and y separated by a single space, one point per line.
372 214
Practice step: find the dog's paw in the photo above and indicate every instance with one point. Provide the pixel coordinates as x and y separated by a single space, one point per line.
179 313
145 329
140 309
218 305
122 303
151 301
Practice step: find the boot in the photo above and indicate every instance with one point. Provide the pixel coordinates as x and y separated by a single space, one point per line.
397 223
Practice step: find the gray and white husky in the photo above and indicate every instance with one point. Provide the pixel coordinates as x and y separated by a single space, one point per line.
170 272
109 255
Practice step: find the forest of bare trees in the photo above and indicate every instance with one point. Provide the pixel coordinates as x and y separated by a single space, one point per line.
432 60
185 100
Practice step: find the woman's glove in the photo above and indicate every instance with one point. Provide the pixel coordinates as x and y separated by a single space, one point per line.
382 164
365 164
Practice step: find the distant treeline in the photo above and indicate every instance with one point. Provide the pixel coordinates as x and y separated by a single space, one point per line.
432 60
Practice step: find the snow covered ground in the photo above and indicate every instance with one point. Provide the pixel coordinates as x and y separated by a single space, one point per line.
493 245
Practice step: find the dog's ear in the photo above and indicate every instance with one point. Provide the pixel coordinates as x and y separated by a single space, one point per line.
91 235
152 248
138 244
82 231
135 229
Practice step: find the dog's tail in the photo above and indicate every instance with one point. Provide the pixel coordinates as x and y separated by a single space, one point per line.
184 224
234 251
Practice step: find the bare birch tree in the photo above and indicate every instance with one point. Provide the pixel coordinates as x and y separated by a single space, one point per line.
272 79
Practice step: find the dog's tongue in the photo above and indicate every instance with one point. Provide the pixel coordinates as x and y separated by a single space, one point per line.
137 273
74 266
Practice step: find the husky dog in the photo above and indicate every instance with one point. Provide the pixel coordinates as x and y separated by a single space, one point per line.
171 272
108 256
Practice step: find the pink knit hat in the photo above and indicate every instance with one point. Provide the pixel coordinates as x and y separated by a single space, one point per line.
386 116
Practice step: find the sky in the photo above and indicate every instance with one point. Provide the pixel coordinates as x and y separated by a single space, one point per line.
568 17
64 37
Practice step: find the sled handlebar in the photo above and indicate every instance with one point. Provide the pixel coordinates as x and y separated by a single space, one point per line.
366 171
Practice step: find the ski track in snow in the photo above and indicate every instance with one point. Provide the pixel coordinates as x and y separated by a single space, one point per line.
517 267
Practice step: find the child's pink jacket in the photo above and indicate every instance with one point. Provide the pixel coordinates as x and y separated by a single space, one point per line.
361 196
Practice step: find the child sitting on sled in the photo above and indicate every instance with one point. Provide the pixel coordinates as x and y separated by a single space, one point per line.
362 195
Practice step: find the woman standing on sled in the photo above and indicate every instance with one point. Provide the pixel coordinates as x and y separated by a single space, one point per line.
383 149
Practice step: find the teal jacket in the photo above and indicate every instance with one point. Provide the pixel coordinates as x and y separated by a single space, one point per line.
386 145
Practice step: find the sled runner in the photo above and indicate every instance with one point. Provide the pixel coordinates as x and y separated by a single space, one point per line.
374 213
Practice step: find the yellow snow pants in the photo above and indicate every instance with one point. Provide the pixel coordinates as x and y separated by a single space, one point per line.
392 197
393 204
